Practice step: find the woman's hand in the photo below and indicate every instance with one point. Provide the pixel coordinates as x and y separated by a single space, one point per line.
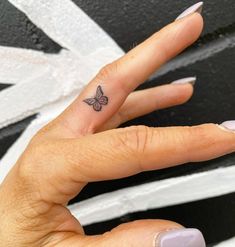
82 145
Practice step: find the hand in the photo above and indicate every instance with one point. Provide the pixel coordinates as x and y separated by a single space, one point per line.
82 146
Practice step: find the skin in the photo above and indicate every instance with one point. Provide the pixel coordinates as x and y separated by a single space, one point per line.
59 161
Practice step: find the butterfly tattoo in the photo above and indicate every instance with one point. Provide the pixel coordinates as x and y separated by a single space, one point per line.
98 101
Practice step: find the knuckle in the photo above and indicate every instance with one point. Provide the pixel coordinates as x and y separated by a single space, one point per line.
114 73
109 70
201 135
197 132
204 134
136 139
144 136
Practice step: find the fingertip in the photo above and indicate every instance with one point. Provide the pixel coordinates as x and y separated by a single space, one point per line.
192 27
187 93
181 237
196 24
183 92
138 233
180 35
199 20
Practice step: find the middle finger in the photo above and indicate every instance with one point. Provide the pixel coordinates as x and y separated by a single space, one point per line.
104 95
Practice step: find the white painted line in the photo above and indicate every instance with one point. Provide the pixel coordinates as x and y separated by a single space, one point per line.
18 64
25 99
228 243
67 24
156 195
33 93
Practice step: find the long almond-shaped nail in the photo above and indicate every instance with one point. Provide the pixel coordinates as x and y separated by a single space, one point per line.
183 237
229 125
193 9
190 80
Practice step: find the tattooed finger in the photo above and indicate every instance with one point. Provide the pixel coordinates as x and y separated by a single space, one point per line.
106 93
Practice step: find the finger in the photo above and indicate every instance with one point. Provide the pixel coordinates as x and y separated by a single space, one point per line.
121 77
148 233
145 101
124 152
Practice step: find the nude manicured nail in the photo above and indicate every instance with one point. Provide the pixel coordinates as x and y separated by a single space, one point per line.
183 237
193 9
229 125
190 80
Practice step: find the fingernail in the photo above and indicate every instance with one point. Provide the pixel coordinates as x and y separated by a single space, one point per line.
183 237
190 80
229 125
193 9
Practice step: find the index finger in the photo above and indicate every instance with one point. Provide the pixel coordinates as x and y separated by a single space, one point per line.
120 153
109 89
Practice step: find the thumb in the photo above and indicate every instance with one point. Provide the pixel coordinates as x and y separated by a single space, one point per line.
148 233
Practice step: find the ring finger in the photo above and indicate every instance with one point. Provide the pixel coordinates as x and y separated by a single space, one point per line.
145 101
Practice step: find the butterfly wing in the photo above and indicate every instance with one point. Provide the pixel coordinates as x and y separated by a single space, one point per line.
97 106
98 101
99 92
90 101
103 100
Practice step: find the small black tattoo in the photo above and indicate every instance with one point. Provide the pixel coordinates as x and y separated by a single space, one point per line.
98 100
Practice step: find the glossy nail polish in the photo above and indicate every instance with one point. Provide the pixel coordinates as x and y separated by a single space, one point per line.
229 125
193 9
190 80
181 237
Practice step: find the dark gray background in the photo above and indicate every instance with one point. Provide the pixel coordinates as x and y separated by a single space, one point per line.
129 22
